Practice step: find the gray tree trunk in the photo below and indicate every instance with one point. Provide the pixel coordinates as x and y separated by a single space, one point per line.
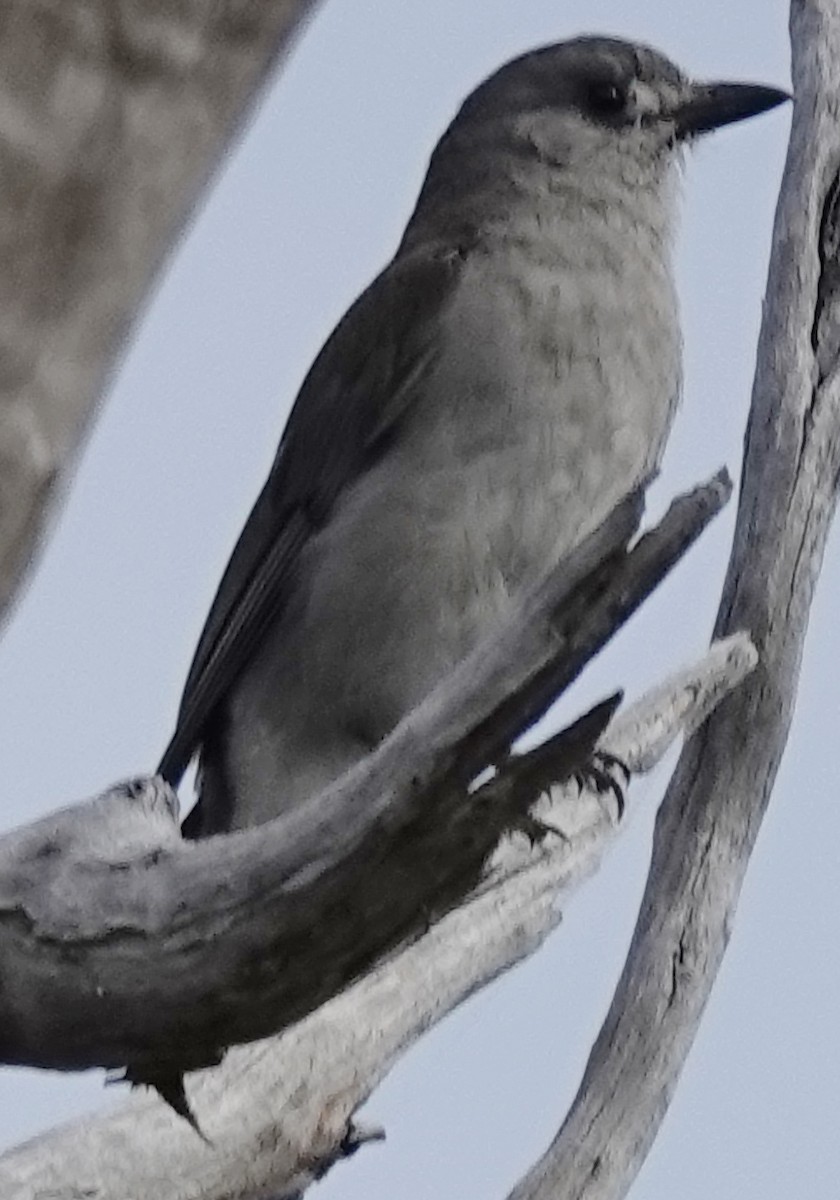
114 116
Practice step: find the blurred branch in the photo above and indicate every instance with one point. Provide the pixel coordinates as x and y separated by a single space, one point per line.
710 818
112 117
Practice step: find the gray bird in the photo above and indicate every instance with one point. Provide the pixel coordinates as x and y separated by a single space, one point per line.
510 375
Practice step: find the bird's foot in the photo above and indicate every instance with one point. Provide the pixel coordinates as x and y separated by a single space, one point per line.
535 830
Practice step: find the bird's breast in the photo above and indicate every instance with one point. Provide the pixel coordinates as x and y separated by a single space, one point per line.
549 399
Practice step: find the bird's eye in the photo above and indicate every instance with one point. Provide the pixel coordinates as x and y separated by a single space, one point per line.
134 789
607 99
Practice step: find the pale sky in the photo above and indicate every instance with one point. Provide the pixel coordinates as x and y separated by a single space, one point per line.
309 207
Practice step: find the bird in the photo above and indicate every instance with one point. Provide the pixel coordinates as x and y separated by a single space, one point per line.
498 388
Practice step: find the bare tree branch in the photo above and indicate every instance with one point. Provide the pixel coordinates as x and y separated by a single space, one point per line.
279 1112
710 818
113 113
125 944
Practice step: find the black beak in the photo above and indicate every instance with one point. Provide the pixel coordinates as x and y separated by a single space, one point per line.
710 105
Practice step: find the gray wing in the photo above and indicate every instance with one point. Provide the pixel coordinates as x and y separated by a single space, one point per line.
349 409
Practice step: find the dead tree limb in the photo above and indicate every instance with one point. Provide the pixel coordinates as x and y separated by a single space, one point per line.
709 820
120 943
112 118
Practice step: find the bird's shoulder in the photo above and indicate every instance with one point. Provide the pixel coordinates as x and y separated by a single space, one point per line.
367 374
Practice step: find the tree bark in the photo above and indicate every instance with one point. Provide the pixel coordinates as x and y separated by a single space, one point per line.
113 114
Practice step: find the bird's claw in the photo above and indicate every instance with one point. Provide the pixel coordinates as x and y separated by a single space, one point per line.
600 775
535 830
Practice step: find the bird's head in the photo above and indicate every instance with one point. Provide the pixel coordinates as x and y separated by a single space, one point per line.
593 95
604 113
